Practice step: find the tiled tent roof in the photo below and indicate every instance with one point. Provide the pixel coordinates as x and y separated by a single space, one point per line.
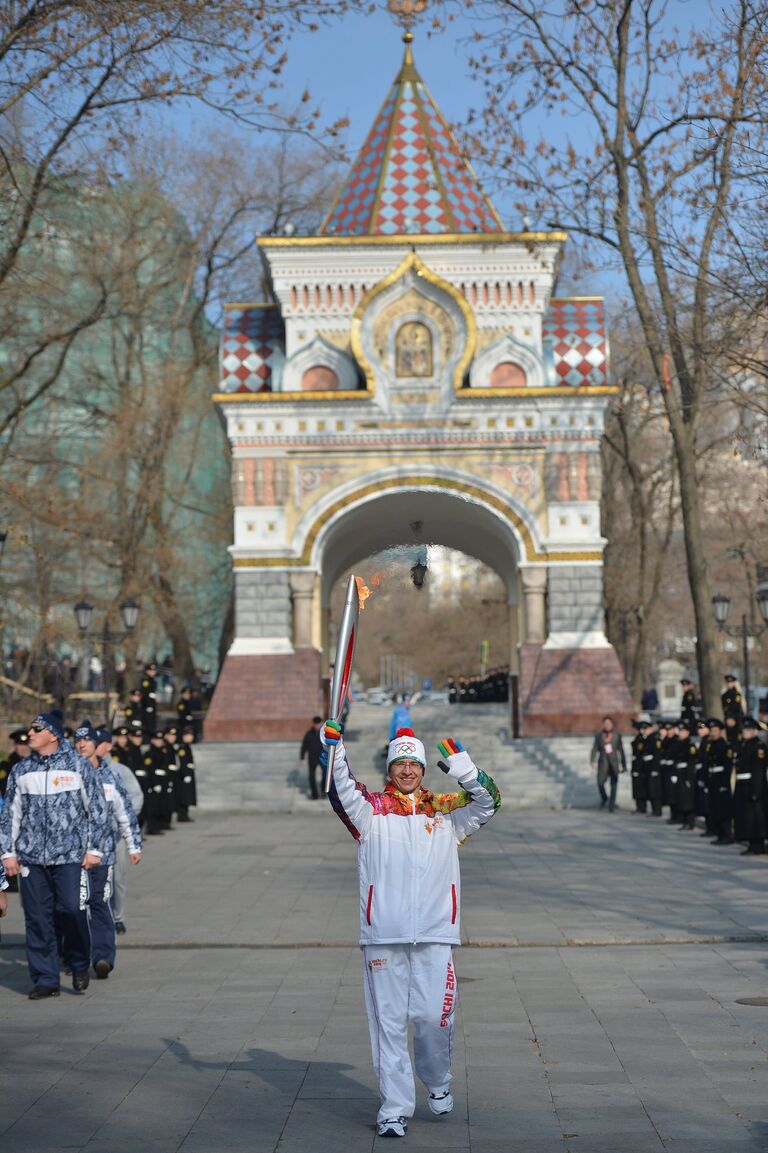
575 331
252 348
410 176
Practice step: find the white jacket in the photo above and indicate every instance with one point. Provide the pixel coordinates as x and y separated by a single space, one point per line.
407 856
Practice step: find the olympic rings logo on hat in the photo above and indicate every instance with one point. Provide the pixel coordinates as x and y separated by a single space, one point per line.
406 747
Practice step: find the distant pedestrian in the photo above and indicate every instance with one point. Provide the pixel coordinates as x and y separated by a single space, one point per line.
401 716
608 758
649 702
311 748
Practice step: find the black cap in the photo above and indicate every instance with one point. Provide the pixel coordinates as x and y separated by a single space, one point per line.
715 721
122 731
684 723
157 735
729 677
19 737
750 723
685 681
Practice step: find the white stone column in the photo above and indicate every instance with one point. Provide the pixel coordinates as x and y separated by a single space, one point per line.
302 593
534 581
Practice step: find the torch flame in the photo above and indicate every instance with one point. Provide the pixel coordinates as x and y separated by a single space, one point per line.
363 592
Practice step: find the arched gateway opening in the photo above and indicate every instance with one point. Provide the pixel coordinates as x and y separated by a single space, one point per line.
427 436
406 525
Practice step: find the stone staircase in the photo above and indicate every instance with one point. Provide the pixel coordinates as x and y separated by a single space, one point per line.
549 772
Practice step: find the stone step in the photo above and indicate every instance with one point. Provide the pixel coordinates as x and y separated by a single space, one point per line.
533 771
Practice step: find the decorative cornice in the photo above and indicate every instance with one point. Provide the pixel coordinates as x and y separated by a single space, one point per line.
551 390
288 397
409 240
412 263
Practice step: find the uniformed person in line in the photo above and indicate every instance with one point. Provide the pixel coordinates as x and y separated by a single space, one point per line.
637 773
668 738
733 735
119 752
733 702
686 757
719 761
170 737
702 783
453 691
689 704
132 710
186 787
161 804
143 774
647 761
750 793
19 738
188 709
652 754
148 689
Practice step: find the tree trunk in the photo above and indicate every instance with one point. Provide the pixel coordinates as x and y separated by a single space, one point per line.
173 623
698 577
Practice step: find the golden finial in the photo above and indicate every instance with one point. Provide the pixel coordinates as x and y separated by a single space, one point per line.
404 12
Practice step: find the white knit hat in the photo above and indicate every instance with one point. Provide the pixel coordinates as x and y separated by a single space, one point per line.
406 744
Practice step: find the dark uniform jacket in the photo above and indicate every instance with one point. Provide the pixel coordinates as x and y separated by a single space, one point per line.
750 793
160 783
686 757
702 779
719 762
733 704
186 786
639 768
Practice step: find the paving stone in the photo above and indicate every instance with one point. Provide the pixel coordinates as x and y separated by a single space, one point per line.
264 1047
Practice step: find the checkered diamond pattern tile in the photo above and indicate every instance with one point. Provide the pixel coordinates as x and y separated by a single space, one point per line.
410 176
575 331
252 345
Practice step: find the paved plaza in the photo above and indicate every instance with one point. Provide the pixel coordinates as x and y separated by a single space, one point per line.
604 959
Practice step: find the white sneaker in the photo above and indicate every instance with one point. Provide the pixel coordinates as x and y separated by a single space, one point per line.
393 1127
440 1103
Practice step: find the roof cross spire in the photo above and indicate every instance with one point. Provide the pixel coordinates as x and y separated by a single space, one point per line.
404 12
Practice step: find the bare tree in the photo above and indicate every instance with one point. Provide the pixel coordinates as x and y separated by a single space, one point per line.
669 126
129 461
74 77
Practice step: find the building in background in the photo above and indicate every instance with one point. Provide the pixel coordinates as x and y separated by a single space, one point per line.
415 378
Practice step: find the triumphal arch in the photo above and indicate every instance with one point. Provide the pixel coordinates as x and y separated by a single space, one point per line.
414 377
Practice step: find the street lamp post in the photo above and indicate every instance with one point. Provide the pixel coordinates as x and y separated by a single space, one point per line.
129 610
721 607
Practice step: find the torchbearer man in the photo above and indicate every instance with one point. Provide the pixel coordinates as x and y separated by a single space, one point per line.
408 869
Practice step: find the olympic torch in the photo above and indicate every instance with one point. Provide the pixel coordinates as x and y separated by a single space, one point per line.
342 669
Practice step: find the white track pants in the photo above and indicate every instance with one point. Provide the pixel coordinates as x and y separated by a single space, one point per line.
409 983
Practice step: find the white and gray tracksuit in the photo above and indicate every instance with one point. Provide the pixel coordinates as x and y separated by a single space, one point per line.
410 893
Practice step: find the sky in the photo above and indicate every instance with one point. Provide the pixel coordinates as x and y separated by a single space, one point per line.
349 65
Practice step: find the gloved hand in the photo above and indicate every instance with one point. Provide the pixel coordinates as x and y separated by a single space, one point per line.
330 734
457 763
